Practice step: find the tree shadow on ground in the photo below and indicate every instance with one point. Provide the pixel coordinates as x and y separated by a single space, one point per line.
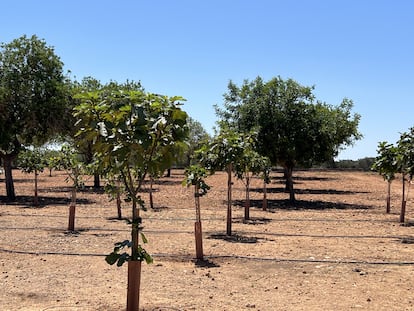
235 238
205 263
308 191
252 220
301 205
27 201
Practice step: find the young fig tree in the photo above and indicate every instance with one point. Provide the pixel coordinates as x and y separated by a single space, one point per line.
386 165
194 176
134 133
70 161
33 161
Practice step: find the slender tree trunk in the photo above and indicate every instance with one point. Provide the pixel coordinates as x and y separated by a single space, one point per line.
403 203
289 183
229 184
134 265
388 210
72 210
247 202
151 199
118 204
7 162
96 181
264 207
35 199
197 226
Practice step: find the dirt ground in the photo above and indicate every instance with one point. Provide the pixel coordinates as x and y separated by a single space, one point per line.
335 249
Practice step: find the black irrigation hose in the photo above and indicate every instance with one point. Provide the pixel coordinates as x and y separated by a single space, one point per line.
267 259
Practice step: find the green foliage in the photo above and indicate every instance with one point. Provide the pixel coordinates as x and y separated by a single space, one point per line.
292 128
386 163
121 258
133 135
405 155
70 161
194 176
33 95
224 149
33 98
32 161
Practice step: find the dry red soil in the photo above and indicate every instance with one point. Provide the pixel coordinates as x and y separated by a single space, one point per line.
335 249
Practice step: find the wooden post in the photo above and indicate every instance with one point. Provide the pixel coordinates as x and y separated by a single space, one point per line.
134 282
134 265
72 208
198 240
197 225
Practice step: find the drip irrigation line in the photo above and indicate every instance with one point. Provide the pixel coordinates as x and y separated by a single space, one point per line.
237 257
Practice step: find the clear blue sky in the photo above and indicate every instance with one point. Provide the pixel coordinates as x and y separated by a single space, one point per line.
359 49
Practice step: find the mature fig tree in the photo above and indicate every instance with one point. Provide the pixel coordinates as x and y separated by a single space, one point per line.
134 133
33 98
294 129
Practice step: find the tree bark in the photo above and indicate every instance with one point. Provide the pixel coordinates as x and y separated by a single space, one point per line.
229 183
264 207
404 201
289 183
388 210
7 164
151 198
36 198
247 203
72 210
96 181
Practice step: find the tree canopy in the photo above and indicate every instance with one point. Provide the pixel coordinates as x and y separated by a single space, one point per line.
33 97
293 127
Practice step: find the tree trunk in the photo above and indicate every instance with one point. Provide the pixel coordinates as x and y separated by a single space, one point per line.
7 162
151 199
404 201
247 203
229 183
197 226
118 204
35 199
96 181
264 207
72 210
388 210
289 183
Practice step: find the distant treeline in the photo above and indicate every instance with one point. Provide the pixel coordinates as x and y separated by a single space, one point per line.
363 164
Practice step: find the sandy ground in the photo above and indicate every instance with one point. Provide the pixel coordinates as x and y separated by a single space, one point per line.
335 249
